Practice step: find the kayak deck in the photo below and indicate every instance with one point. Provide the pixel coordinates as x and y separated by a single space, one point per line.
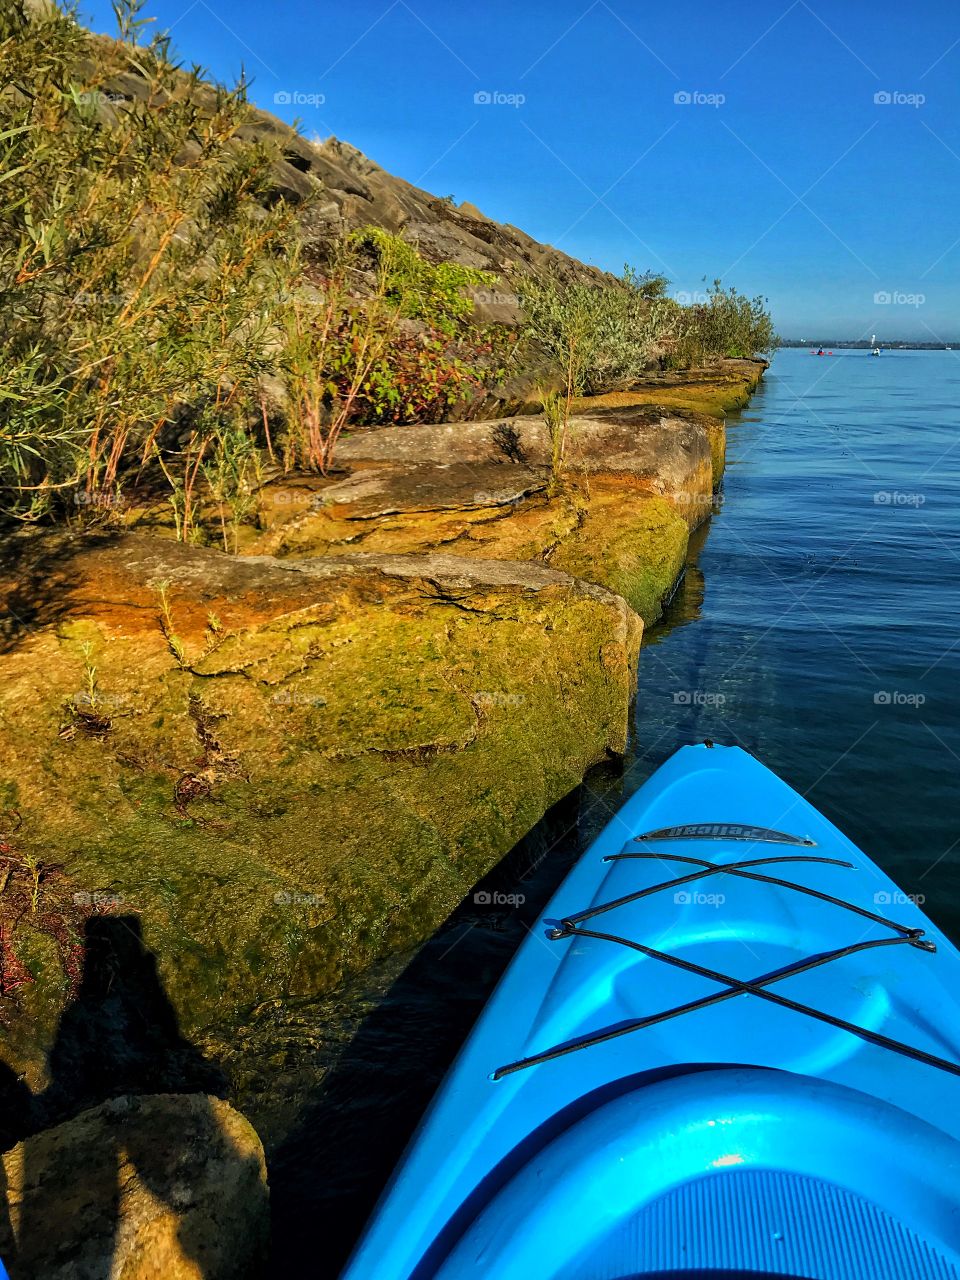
724 1174
582 925
729 1045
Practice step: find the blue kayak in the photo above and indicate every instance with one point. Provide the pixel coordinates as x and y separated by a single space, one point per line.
729 1048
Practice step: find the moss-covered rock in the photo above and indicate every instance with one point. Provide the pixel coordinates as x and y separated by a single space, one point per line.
634 481
639 554
722 387
487 489
286 768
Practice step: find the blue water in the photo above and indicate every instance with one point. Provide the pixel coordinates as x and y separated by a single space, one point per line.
816 626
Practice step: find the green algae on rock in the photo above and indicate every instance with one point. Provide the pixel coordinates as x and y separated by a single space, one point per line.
307 762
635 481
721 387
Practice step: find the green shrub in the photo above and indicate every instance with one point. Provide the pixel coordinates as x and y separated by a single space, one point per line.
141 269
598 336
556 416
405 351
727 324
152 285
433 364
603 336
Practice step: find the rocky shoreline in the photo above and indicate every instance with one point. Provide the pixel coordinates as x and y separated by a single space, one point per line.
288 763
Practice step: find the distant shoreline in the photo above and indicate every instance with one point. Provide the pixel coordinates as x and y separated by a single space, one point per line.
862 345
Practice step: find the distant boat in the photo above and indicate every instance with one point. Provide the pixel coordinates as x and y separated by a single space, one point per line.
875 351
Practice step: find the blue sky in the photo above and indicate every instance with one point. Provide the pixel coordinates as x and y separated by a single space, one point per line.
698 138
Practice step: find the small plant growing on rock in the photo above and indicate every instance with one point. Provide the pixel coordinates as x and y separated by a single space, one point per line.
174 643
556 415
85 713
216 633
234 475
28 862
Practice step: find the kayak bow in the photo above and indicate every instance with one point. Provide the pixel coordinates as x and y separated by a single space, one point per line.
731 1046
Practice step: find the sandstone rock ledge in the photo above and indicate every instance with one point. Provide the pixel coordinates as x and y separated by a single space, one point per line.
146 1188
285 768
635 480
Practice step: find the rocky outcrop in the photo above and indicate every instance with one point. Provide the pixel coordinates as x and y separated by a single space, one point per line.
141 1188
348 190
723 386
284 767
339 189
634 481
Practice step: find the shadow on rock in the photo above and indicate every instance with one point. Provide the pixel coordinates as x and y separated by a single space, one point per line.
129 1166
325 1178
36 579
120 1034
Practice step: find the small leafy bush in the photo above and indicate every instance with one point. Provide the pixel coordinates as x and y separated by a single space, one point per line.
152 286
598 336
727 324
437 357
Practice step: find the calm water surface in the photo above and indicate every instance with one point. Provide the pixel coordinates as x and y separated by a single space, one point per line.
819 627
816 626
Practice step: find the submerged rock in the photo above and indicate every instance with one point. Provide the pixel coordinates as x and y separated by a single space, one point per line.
163 1187
284 768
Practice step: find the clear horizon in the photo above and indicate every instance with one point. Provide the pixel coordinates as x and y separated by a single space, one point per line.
807 154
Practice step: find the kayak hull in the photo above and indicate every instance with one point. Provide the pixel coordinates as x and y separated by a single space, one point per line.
647 1071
